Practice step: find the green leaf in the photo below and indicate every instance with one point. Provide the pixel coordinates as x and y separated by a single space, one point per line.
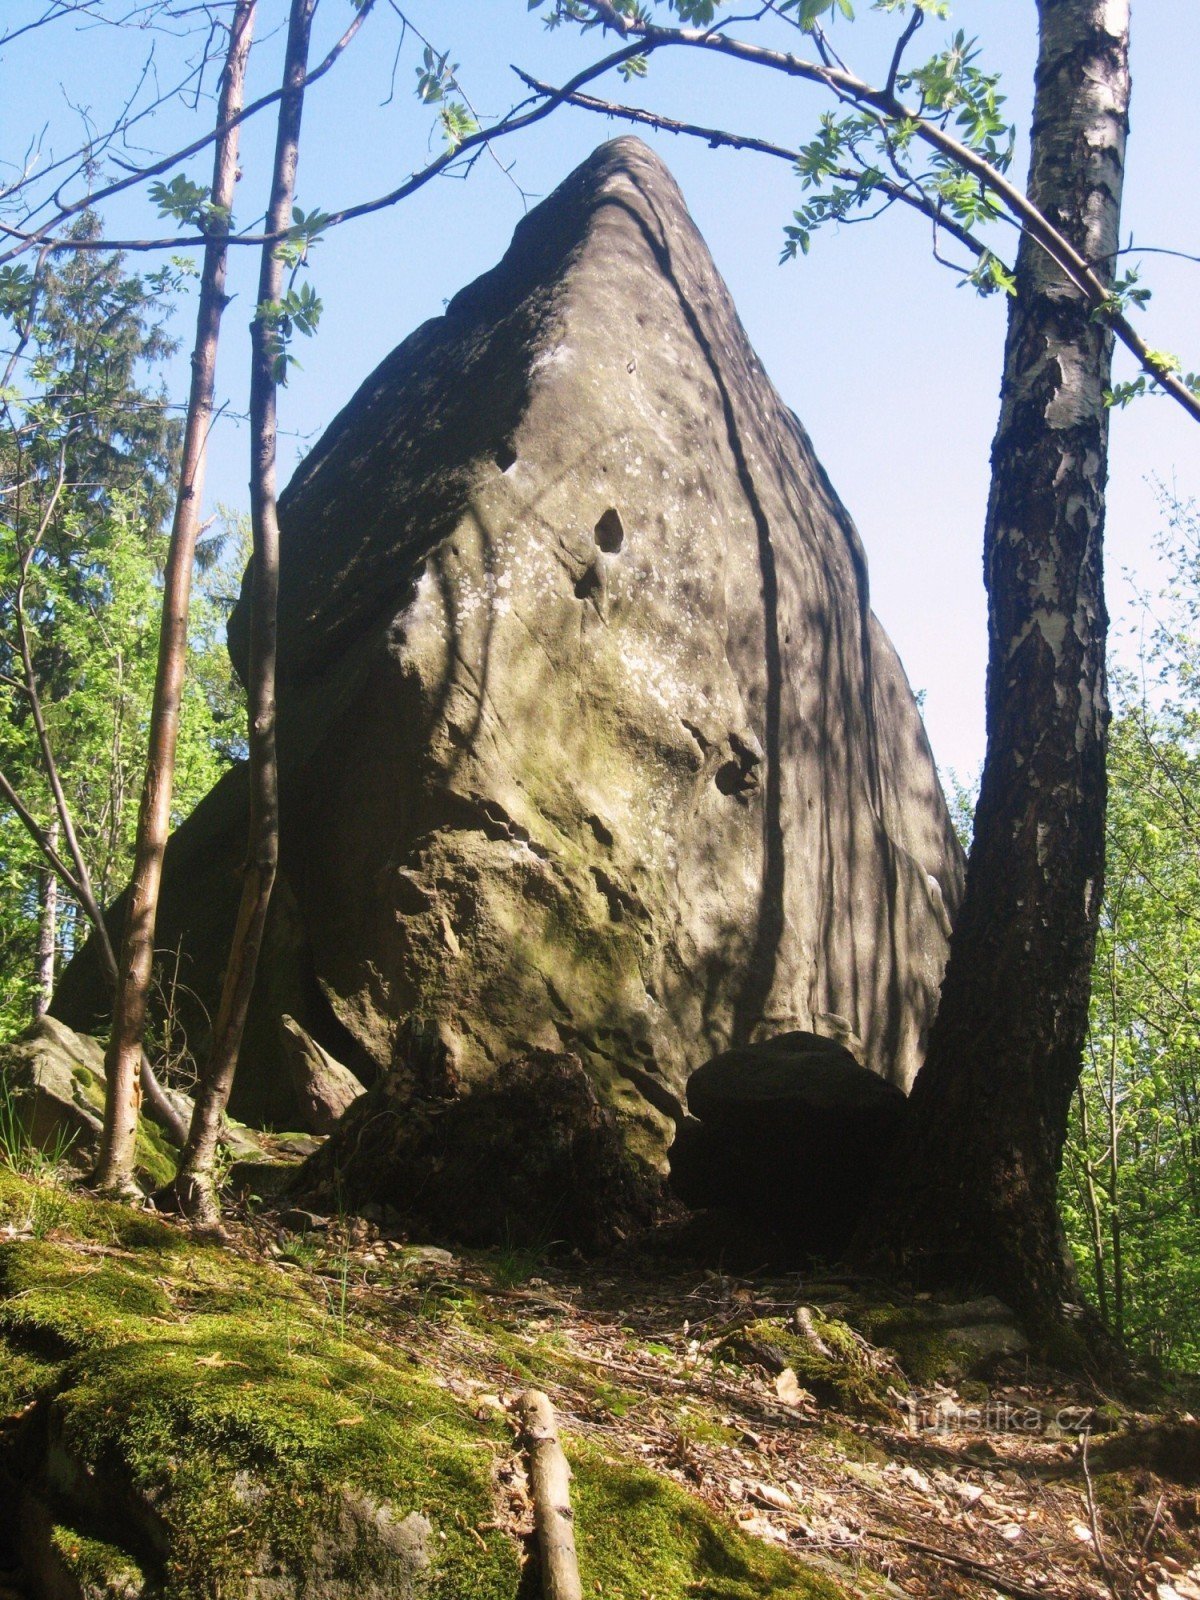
180 199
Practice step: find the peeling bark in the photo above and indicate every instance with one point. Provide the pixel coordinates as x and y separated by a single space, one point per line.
973 1194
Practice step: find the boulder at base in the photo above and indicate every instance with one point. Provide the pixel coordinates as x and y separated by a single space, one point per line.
531 1157
52 1104
325 1089
788 1135
589 740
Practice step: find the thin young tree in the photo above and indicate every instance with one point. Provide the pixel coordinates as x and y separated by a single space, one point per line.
88 451
47 941
193 1190
124 1055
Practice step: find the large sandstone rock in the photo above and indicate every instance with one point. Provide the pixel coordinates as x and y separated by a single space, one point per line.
52 1082
590 741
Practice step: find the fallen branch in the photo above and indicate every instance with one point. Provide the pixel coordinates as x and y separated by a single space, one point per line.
549 1478
979 1569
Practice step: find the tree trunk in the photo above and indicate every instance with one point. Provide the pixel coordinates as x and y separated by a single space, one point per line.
972 1194
47 945
193 1191
124 1055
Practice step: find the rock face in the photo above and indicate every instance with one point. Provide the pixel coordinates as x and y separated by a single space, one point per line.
325 1089
53 1080
531 1157
590 741
789 1133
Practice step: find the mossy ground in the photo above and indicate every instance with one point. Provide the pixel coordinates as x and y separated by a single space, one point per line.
837 1366
697 1557
202 1416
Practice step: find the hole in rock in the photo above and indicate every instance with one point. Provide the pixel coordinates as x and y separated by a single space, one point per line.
616 908
732 777
588 585
602 834
505 456
610 532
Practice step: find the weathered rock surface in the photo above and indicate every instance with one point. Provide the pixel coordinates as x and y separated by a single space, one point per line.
52 1083
531 1157
325 1089
590 742
788 1136
53 1079
943 1340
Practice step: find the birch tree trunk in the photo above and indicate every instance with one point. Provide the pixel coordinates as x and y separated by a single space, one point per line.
123 1059
973 1193
47 945
193 1191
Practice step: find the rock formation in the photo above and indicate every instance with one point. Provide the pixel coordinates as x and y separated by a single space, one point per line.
324 1089
590 741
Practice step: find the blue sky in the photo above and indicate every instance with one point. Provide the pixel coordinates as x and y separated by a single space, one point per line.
893 369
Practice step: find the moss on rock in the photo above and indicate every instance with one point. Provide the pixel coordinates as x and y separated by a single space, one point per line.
203 1427
943 1341
831 1360
645 1535
99 1571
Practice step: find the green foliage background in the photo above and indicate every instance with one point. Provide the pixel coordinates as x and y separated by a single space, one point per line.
1131 1179
87 455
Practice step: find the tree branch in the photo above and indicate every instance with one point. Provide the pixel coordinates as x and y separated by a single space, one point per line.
516 120
718 138
914 22
91 201
839 81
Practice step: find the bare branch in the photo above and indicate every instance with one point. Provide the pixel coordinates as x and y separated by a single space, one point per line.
156 168
718 138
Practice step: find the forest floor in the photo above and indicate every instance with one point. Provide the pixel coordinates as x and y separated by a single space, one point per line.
876 1460
758 1395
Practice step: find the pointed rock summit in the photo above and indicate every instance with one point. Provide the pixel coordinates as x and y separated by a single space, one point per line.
591 746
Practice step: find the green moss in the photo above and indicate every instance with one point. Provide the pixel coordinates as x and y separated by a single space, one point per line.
927 1354
928 1347
100 1570
640 1534
210 1393
57 1299
187 1423
850 1377
203 1412
154 1156
23 1375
